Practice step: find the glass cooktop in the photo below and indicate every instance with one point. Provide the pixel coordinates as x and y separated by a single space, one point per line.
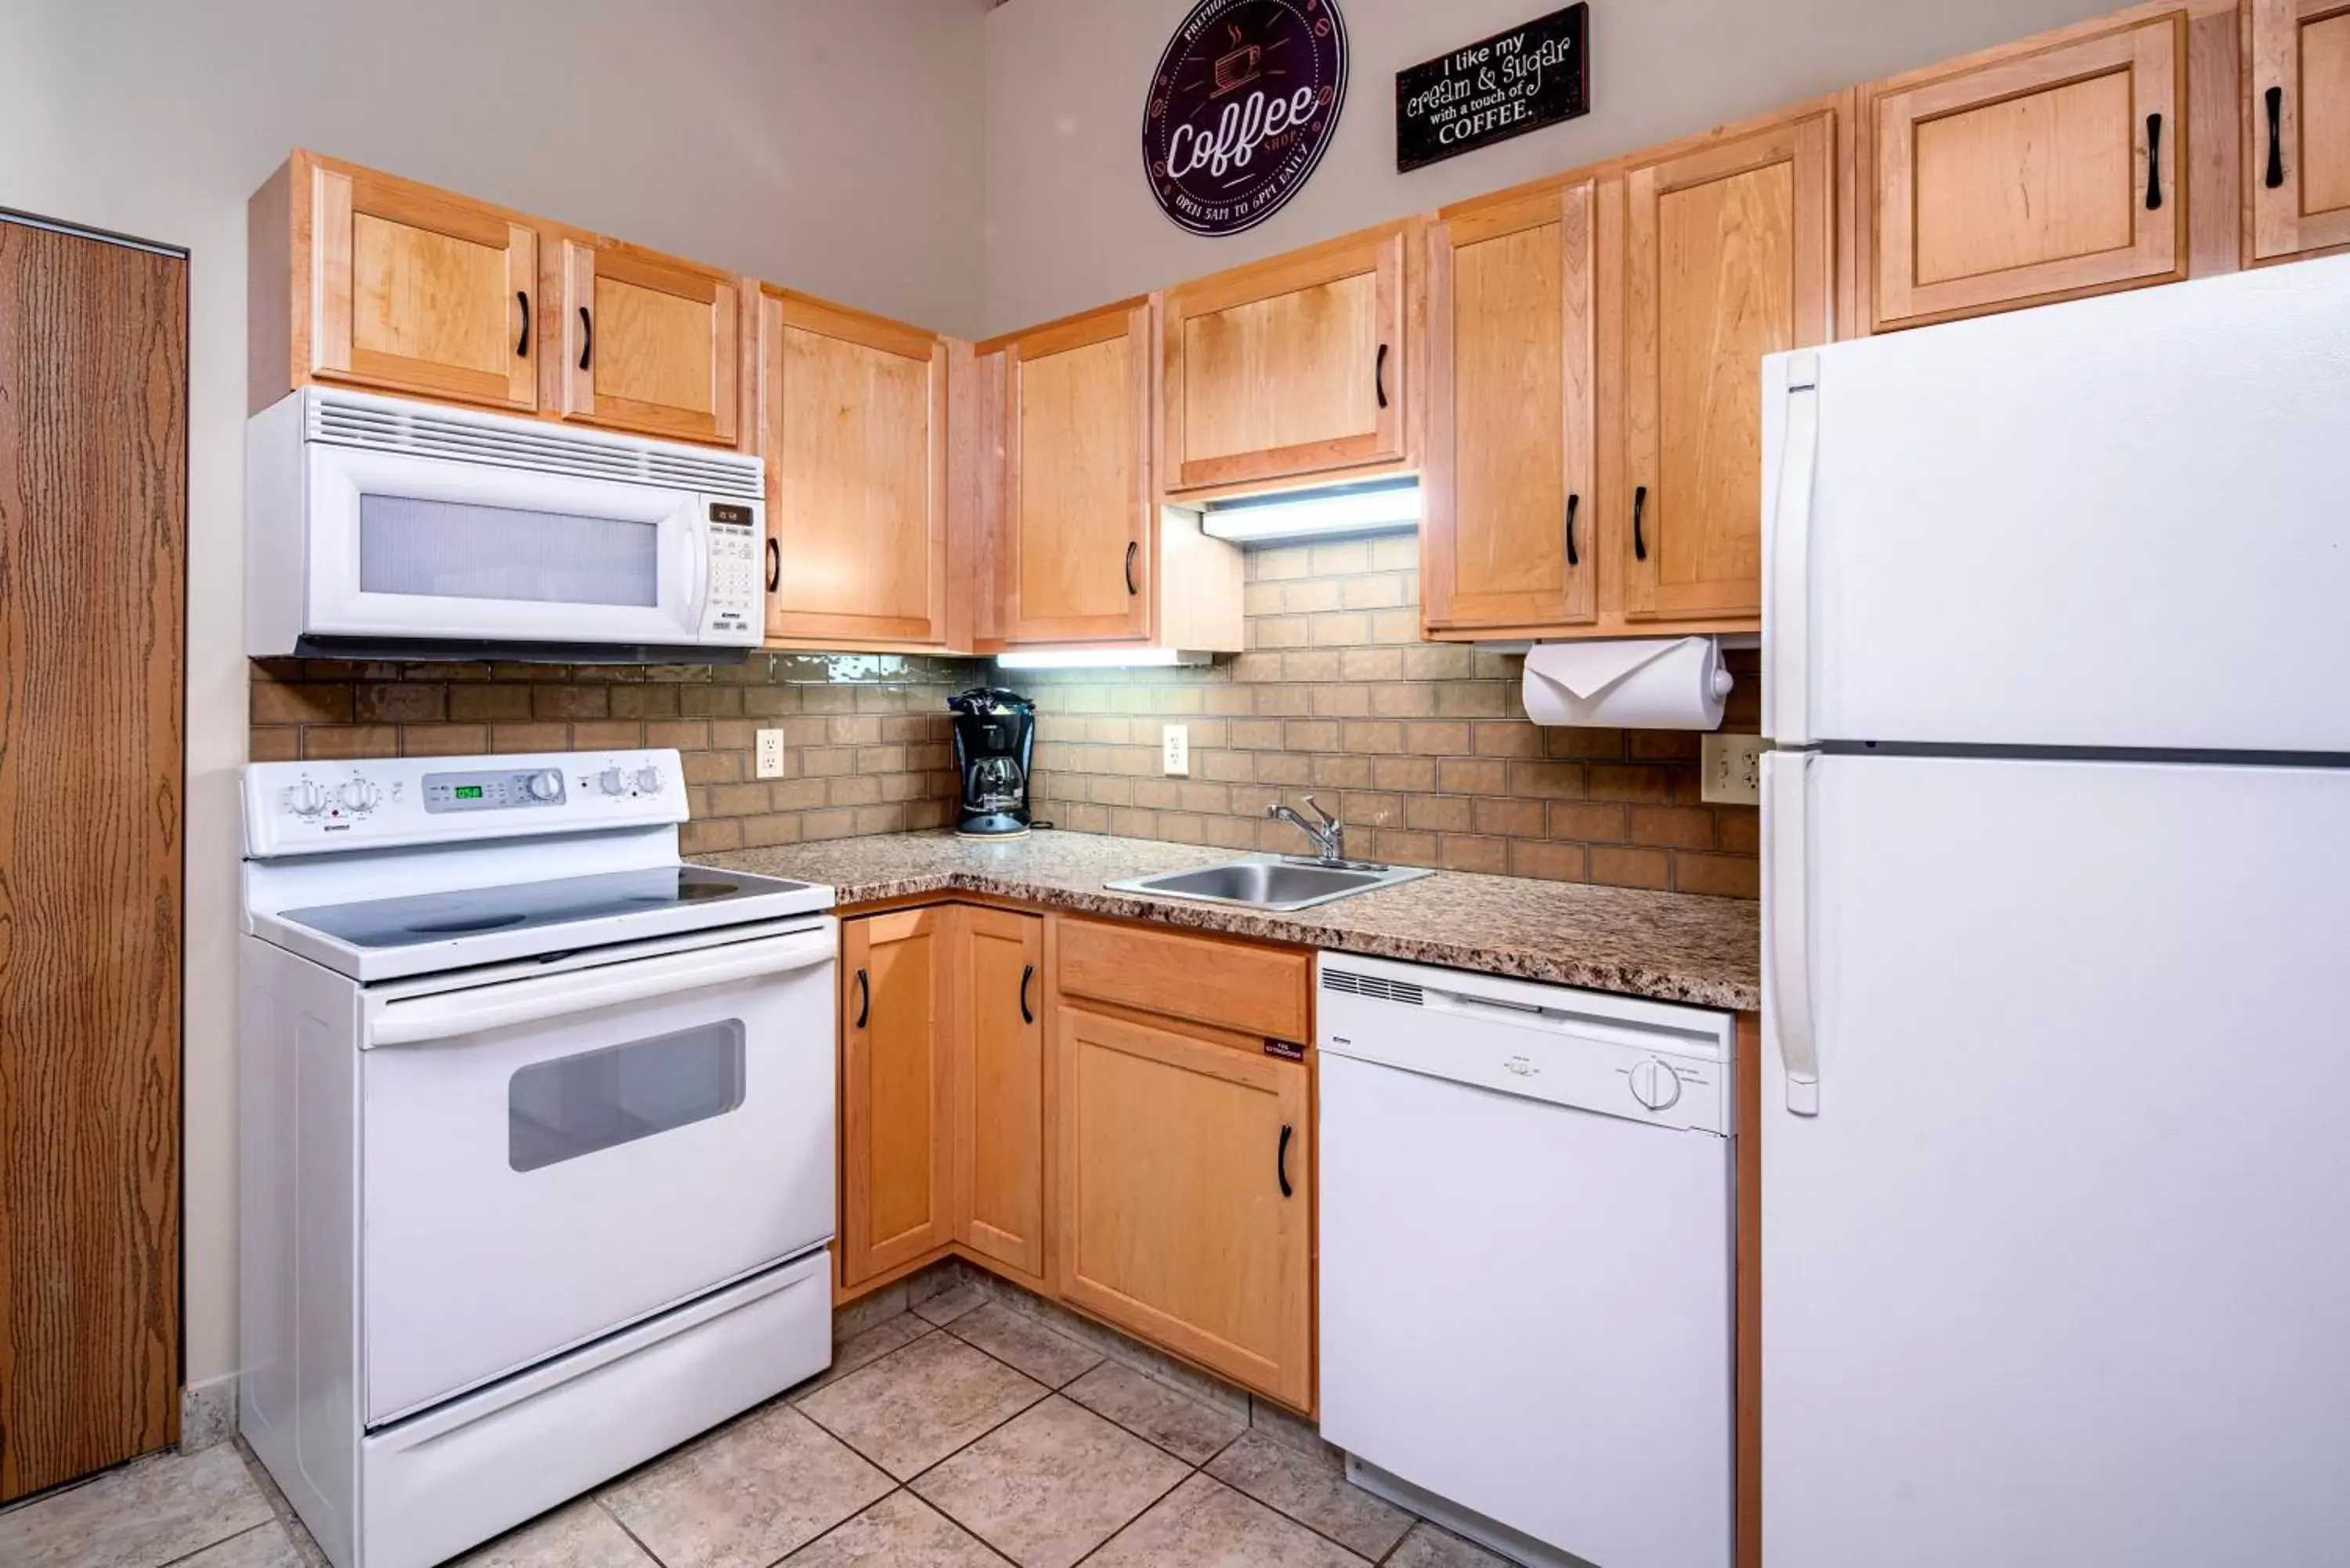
525 906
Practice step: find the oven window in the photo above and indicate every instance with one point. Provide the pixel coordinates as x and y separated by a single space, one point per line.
562 1109
460 550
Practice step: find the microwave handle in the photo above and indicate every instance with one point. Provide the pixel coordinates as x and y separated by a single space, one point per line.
697 562
454 1014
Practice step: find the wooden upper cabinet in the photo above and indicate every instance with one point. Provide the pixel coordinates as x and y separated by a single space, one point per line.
1290 366
1728 256
2299 172
1075 537
853 424
1000 1086
1184 1194
2047 172
649 343
416 290
1509 536
897 1011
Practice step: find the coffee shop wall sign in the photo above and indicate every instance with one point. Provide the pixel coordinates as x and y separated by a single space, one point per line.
1244 101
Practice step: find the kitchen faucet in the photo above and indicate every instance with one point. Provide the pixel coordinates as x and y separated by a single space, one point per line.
1329 836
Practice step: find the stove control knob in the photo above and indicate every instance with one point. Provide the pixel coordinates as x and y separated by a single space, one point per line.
612 781
358 795
1654 1085
649 781
547 785
307 799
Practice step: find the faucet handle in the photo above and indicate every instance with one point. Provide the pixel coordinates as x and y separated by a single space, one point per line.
1327 820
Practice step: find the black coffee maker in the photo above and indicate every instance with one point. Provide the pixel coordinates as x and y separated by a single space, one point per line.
994 736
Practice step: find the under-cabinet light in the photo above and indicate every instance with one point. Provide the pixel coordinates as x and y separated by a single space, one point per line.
1373 507
1100 658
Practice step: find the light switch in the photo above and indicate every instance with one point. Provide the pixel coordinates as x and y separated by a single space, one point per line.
1175 749
770 761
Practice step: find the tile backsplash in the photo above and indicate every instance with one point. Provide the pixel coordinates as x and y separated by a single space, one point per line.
1423 748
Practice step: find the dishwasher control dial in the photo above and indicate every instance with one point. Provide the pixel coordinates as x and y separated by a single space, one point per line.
1654 1084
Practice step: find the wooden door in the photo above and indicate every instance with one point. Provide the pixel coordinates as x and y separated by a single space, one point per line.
649 342
1184 1194
897 1009
1289 367
1509 535
415 290
2051 173
854 427
1000 1089
93 571
2300 171
1079 552
1728 258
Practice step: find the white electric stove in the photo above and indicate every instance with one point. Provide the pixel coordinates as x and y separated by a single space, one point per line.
538 1138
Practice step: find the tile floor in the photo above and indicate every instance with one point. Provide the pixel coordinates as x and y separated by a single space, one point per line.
958 1433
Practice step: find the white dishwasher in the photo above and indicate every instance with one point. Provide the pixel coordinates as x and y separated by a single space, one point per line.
1527 1234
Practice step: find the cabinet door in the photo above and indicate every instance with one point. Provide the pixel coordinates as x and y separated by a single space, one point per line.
1290 366
1727 258
1508 535
897 1038
648 344
1184 1195
1000 1089
854 430
2055 173
418 291
2300 126
1077 511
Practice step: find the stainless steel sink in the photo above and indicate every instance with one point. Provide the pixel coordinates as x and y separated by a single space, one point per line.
1271 882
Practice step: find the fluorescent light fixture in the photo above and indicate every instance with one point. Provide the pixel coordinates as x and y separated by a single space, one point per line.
1373 507
1100 658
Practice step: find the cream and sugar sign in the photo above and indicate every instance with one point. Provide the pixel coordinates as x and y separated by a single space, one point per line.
1496 88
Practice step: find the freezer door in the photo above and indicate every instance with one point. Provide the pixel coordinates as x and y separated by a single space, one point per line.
2057 1271
2123 522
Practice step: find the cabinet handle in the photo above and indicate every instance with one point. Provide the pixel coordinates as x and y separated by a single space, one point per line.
1132 549
1028 973
864 998
1573 501
2153 162
1280 1160
775 565
587 337
1639 540
521 344
2274 98
1380 375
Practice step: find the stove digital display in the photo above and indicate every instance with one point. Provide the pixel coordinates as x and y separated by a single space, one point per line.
467 791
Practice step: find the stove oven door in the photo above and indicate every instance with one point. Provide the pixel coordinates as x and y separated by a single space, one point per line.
545 1160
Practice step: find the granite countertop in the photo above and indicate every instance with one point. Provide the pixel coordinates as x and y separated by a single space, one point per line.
1673 947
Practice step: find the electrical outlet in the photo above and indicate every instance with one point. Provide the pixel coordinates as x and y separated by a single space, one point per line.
1175 749
1733 769
771 755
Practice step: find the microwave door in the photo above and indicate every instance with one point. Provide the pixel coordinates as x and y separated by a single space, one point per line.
408 546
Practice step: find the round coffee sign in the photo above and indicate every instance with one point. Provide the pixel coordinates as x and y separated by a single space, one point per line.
1245 98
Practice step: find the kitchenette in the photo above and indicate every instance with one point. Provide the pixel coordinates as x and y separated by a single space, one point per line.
1588 817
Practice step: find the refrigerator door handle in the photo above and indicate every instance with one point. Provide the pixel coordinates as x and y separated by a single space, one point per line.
1789 623
1785 786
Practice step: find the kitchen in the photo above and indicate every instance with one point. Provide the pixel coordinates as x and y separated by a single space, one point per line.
1517 328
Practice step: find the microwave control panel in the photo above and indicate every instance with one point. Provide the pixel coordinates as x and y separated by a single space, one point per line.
734 602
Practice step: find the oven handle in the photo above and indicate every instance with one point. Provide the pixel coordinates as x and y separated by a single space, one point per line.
453 1014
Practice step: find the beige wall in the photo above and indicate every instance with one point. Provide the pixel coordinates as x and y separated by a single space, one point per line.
1071 225
828 144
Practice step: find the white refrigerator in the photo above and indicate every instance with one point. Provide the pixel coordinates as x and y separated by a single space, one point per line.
2056 1072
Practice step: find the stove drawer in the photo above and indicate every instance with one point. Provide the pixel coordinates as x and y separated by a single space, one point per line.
560 1171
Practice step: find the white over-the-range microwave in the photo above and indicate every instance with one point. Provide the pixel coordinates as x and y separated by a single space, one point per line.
379 528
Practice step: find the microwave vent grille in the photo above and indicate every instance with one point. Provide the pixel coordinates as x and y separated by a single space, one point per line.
1373 986
423 430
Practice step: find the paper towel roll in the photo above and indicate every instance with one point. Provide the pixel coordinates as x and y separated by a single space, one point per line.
1651 683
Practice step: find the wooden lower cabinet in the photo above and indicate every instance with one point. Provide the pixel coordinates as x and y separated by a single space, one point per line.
999 1077
1184 1194
897 1002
